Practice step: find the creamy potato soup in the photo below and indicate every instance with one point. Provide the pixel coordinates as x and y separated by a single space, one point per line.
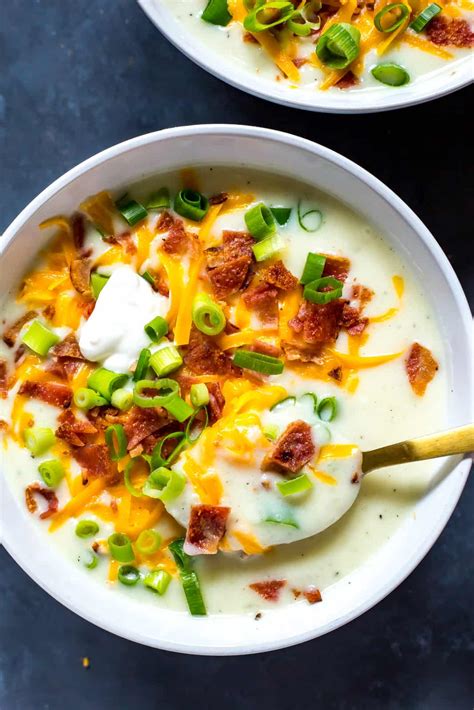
338 44
189 373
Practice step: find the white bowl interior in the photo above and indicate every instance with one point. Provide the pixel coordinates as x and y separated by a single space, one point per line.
302 160
442 81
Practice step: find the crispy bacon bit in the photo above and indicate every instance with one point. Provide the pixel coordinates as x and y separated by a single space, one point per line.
3 378
216 401
178 241
206 528
311 594
11 334
421 367
347 81
336 266
125 240
299 61
292 450
450 32
318 323
263 299
308 353
49 312
78 230
94 459
270 590
50 392
141 422
3 425
19 352
259 346
69 347
204 357
229 265
336 374
165 222
362 294
49 496
102 417
74 431
278 275
352 320
218 199
80 272
248 37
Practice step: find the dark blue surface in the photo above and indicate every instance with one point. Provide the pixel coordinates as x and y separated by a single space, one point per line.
78 76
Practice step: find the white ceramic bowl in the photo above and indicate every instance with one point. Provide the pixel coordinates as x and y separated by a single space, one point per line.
297 158
454 75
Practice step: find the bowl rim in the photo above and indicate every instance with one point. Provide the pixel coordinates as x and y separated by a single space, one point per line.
238 79
463 313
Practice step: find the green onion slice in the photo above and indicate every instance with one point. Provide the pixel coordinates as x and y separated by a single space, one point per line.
156 329
90 560
179 409
189 578
260 221
217 13
420 22
128 575
313 268
301 26
148 278
157 458
268 247
208 316
166 360
39 338
266 364
312 291
159 200
282 516
131 210
281 214
38 439
190 435
269 15
199 394
104 382
191 204
311 220
85 398
142 365
390 74
98 282
164 484
120 547
338 46
391 17
148 542
122 399
312 398
169 388
158 581
285 401
128 472
116 433
293 486
327 409
271 432
86 528
52 472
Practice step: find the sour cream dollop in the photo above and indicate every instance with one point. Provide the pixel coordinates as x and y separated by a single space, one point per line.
114 334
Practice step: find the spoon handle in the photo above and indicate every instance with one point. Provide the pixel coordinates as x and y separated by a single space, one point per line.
454 441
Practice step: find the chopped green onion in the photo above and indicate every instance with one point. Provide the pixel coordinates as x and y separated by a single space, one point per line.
142 365
282 517
91 560
157 458
313 399
301 26
52 472
169 387
38 439
156 328
311 220
199 395
268 247
128 575
112 433
285 400
269 15
178 408
120 547
39 338
294 485
266 364
191 204
339 46
158 581
122 399
271 432
398 9
148 278
189 578
164 484
312 291
86 528
159 200
98 282
85 398
260 221
281 214
327 409
148 542
390 74
208 316
166 360
191 439
217 13
127 475
131 210
313 268
104 382
420 22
